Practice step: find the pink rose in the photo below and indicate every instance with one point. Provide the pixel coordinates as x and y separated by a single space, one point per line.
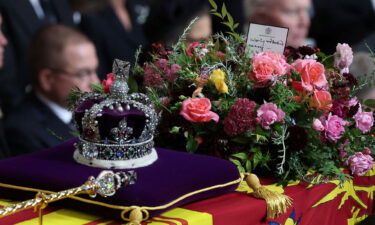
198 110
317 125
268 114
364 121
334 127
321 100
312 73
266 65
352 102
359 163
343 57
107 82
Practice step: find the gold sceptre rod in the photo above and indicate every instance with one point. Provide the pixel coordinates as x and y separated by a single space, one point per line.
106 184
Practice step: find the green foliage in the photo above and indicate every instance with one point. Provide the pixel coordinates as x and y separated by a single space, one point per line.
191 145
227 19
281 95
370 103
73 98
97 88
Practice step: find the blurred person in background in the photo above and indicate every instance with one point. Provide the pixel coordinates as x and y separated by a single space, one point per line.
363 67
60 58
293 14
22 19
4 150
115 26
341 21
169 18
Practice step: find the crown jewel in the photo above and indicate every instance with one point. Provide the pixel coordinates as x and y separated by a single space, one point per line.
116 129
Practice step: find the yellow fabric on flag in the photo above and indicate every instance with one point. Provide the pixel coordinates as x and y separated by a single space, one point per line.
64 217
192 217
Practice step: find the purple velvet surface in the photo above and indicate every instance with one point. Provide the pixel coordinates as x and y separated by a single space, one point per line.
171 176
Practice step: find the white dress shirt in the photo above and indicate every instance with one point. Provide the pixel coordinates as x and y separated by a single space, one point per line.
62 113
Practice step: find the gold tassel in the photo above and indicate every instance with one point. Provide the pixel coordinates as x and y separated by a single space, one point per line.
276 203
135 216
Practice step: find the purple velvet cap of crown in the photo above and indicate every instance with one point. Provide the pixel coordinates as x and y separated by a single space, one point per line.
110 118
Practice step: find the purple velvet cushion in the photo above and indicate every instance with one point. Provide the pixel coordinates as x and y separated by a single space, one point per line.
171 176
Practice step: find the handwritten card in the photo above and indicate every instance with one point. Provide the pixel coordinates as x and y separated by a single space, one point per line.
267 38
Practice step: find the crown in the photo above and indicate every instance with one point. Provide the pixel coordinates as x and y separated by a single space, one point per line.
116 128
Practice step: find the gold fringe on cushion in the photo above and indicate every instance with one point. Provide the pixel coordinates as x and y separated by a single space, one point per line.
276 203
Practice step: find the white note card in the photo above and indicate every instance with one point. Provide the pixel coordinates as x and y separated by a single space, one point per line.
267 38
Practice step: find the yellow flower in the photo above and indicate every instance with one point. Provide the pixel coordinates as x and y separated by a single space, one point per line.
218 78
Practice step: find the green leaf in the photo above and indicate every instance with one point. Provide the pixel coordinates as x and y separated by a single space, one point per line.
370 103
226 24
217 46
257 158
238 164
213 4
224 11
192 145
248 166
235 25
241 155
241 140
97 87
230 20
217 14
175 130
133 85
260 138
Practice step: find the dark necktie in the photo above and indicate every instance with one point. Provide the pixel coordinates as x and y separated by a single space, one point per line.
49 13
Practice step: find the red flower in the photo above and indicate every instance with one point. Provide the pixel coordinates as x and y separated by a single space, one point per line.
191 49
199 140
107 82
241 117
157 46
297 86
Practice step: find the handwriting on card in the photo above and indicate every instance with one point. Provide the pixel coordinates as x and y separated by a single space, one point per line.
267 38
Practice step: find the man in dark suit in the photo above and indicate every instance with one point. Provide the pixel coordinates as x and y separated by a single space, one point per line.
22 18
116 31
60 58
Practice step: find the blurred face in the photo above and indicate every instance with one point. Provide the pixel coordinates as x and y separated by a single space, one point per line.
3 43
292 14
201 29
80 71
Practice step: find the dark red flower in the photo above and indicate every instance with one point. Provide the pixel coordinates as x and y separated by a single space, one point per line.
241 117
298 138
352 81
307 50
157 46
151 77
339 108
